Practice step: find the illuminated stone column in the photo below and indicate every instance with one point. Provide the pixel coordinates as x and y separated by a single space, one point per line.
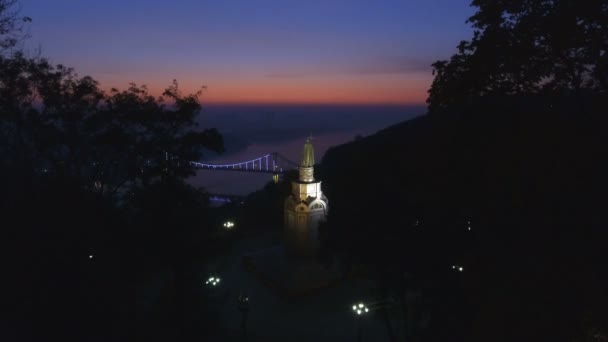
304 209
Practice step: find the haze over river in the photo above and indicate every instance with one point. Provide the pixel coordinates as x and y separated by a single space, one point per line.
251 131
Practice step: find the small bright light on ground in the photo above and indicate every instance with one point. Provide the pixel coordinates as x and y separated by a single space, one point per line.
91 256
228 224
460 269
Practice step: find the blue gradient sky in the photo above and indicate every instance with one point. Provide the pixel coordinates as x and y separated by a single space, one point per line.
252 51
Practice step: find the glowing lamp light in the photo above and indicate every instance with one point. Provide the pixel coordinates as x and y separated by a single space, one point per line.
212 281
90 256
458 268
228 224
360 309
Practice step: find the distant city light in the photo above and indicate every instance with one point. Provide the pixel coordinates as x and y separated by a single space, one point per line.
459 268
228 224
90 256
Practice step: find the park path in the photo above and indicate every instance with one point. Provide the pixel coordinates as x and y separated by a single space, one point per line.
322 316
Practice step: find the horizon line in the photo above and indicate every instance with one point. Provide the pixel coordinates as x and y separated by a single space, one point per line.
312 103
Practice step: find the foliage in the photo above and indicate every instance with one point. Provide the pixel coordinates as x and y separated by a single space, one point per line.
524 47
532 195
63 125
529 177
12 28
84 172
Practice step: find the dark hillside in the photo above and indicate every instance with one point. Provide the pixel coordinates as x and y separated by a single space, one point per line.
531 178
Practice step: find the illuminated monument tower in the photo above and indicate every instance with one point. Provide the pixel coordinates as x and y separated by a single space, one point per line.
304 209
300 273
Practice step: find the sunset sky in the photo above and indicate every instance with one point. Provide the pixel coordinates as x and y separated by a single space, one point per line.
250 51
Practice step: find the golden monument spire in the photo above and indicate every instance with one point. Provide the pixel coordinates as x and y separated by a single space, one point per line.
308 154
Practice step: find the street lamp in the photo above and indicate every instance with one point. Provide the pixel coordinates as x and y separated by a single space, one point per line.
243 306
360 309
458 268
212 281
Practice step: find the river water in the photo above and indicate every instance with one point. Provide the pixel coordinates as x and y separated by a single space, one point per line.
256 130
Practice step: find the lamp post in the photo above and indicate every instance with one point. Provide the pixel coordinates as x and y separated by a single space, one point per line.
243 306
212 281
458 268
229 225
213 284
360 310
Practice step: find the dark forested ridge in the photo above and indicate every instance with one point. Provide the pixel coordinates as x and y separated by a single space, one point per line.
527 173
491 207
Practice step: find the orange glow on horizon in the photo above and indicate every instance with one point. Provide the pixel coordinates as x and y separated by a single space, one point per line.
355 90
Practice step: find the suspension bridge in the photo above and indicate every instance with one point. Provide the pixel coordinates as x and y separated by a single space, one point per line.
273 163
226 198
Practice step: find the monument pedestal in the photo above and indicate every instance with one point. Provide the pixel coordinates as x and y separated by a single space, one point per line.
289 276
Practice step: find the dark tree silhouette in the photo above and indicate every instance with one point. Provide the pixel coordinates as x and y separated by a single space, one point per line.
63 125
12 28
84 172
529 176
526 46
